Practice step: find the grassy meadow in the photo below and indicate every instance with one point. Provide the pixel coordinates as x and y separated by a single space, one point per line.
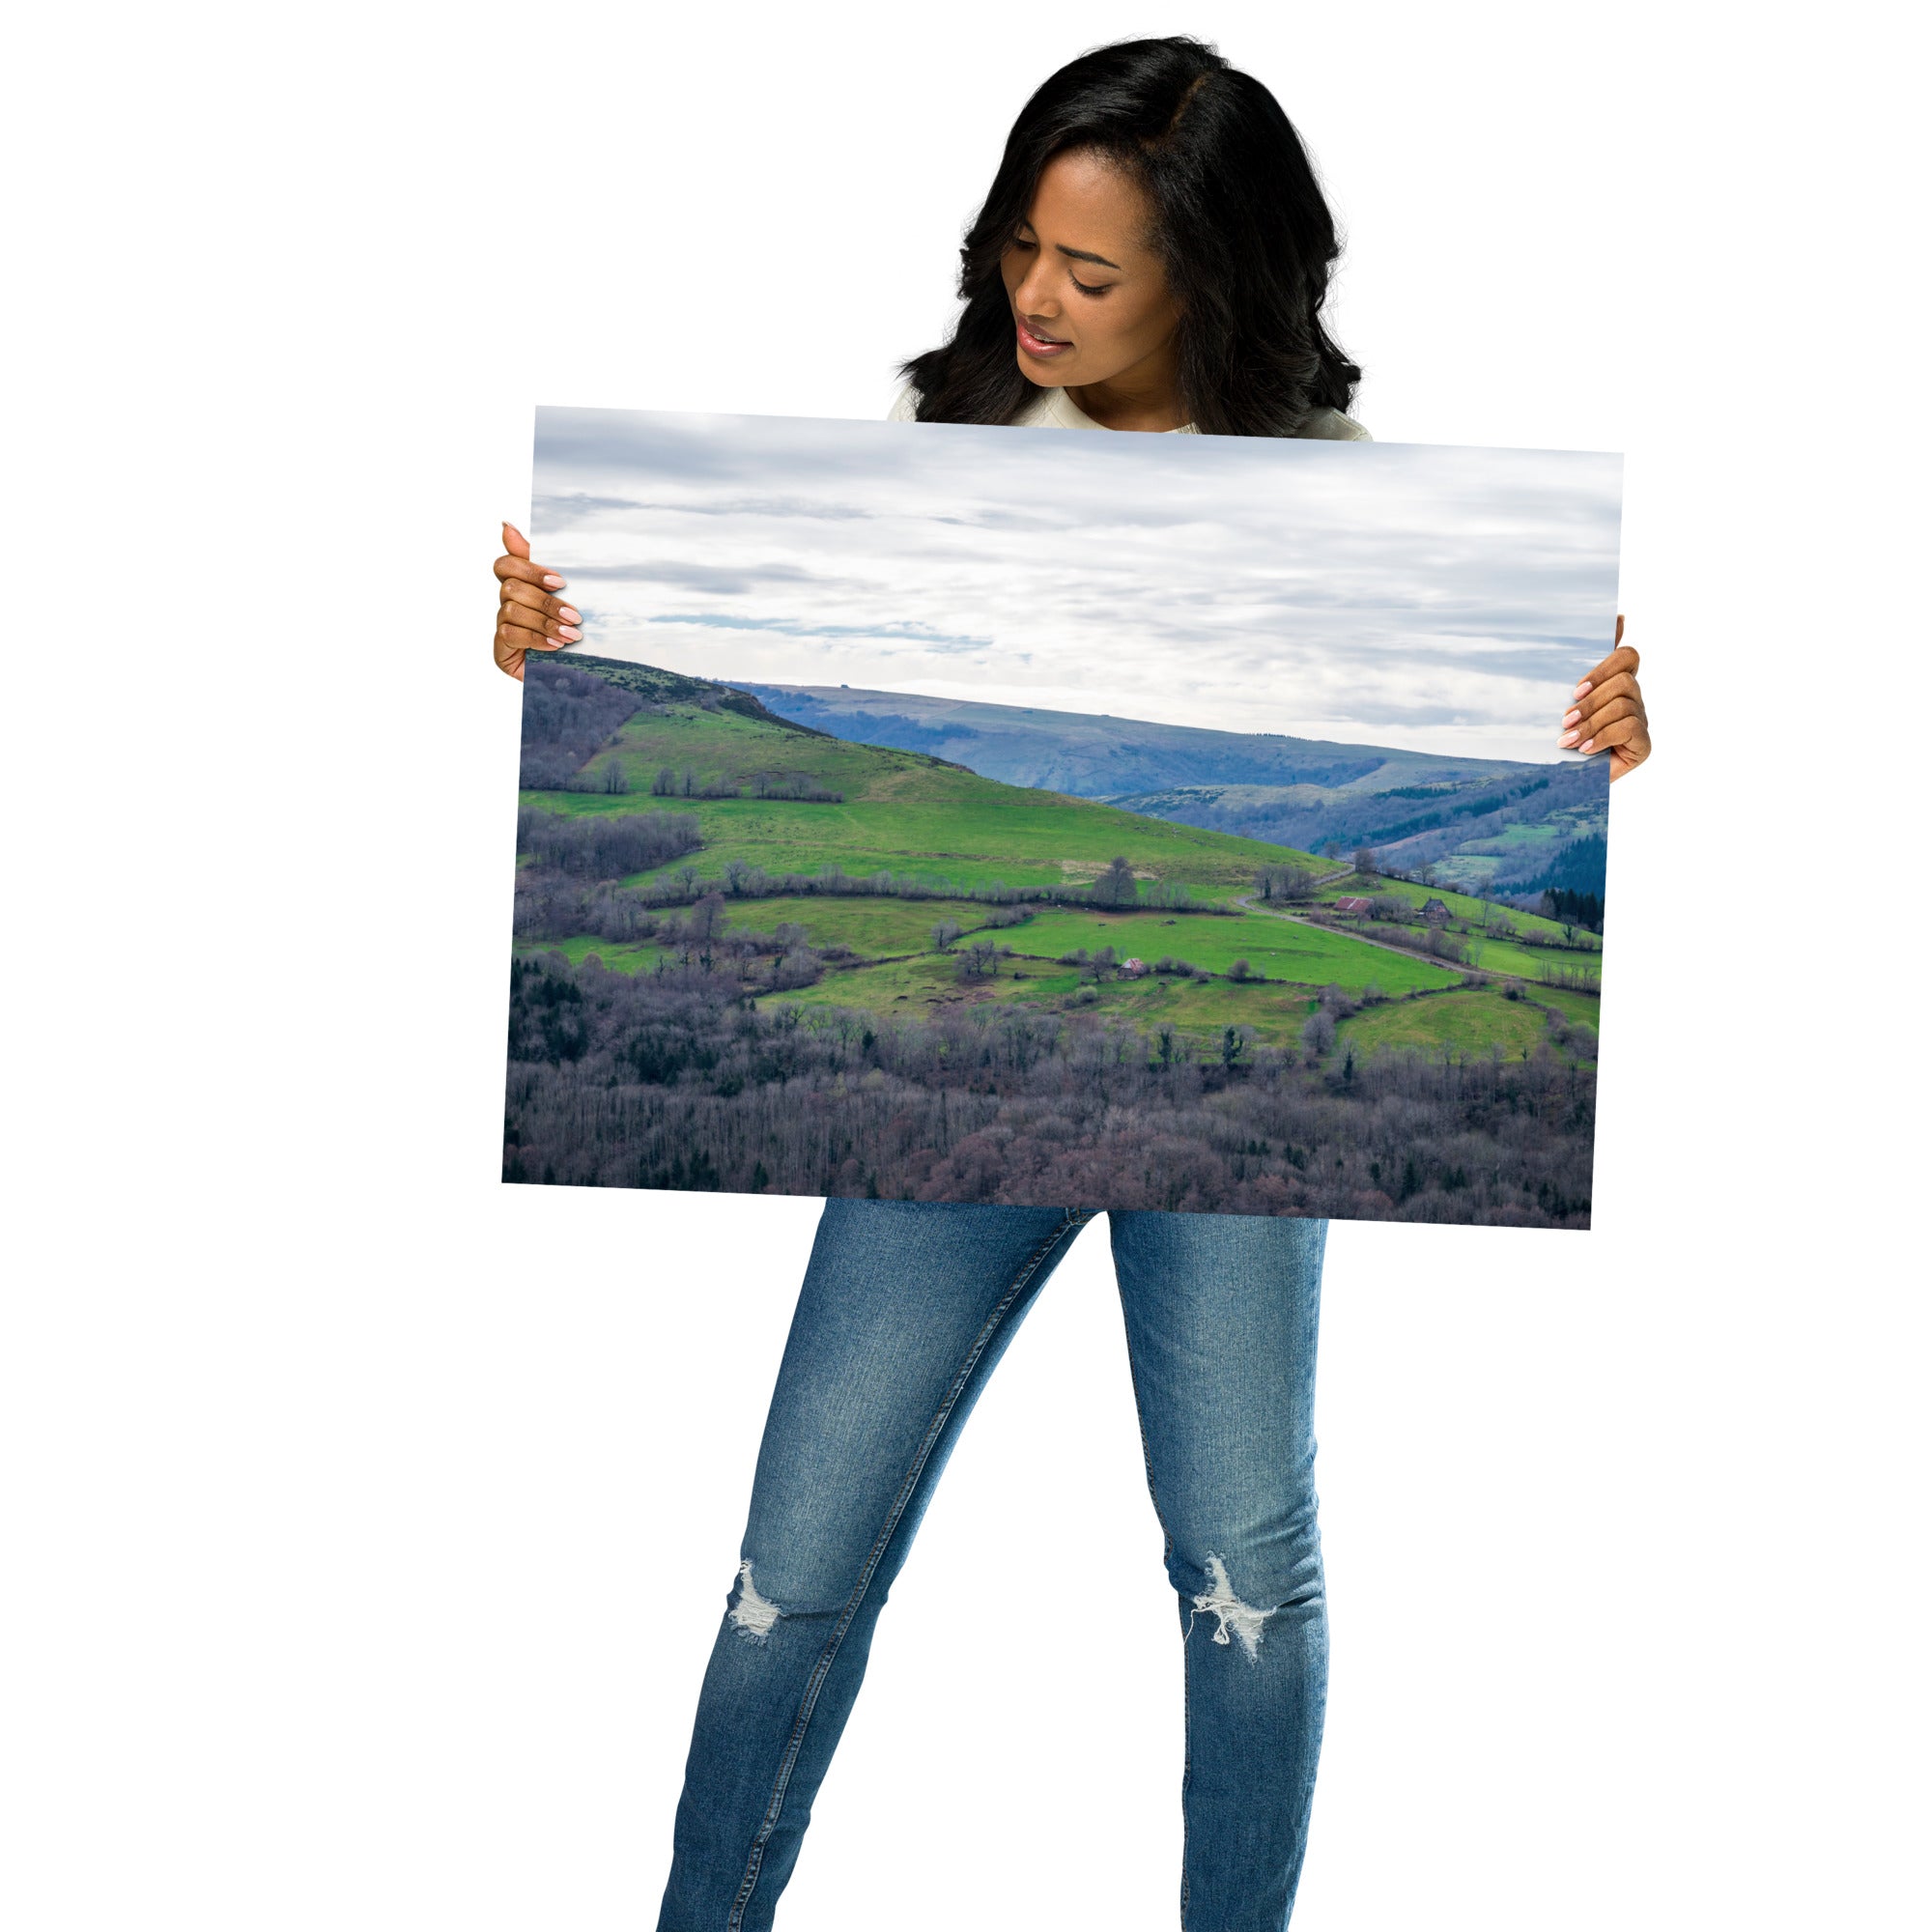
902 811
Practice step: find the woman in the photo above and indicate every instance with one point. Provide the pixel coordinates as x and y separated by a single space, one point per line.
1154 255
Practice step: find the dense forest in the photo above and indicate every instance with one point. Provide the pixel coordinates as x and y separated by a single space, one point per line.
567 715
681 1078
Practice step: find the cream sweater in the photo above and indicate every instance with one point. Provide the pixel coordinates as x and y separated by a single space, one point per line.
1055 408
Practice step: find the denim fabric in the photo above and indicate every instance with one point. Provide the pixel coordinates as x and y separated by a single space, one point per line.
905 1310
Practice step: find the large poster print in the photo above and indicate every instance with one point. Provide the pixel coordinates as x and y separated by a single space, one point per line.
954 813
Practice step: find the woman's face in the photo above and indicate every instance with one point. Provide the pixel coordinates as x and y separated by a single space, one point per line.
1091 301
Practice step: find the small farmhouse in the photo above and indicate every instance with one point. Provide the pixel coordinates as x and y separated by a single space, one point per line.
1350 906
1435 913
1134 969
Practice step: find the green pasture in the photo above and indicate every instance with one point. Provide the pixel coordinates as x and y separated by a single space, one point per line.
1501 955
1466 874
1203 1008
919 981
872 926
1010 838
1199 1008
1281 949
903 812
723 746
1471 1021
618 958
1508 840
1580 1008
1462 904
929 979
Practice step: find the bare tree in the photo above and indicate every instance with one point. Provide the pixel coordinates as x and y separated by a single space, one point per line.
1117 885
1286 881
708 916
979 961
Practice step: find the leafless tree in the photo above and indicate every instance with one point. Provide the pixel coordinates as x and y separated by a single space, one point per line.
1117 886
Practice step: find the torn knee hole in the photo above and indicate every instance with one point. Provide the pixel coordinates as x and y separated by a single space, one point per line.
1237 1622
752 1615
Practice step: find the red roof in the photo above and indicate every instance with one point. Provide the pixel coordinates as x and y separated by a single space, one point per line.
1352 904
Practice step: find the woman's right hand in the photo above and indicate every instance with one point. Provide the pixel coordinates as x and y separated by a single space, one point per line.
528 618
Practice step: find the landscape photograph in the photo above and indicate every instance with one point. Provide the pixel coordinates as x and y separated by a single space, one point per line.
976 815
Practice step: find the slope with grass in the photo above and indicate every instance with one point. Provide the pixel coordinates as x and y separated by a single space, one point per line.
1511 825
900 811
920 817
1275 949
1200 1009
1473 1021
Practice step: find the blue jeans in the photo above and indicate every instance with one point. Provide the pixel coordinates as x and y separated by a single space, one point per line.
905 1310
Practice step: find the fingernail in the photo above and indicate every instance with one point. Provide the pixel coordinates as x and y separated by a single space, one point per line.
568 633
569 616
1567 738
1581 688
556 583
1586 744
1571 716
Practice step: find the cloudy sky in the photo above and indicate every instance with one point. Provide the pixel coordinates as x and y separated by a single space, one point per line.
1433 598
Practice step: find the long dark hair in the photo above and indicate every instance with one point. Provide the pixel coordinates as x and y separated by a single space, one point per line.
1241 227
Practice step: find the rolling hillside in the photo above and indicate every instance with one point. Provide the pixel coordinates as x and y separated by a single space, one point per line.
897 810
1508 828
945 843
1092 756
1511 836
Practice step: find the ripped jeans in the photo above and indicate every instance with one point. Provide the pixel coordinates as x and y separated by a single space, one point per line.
905 1310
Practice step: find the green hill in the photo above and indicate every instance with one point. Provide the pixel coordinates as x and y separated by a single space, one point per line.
1508 828
950 841
900 811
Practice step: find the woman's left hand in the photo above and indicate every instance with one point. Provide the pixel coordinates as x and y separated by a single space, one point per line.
1606 713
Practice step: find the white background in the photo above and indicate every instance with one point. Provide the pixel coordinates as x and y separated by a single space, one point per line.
366 1522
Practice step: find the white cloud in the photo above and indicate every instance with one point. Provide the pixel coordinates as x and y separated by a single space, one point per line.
1439 599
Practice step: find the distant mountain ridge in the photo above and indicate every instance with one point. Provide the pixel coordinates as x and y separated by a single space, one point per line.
1487 824
1095 755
